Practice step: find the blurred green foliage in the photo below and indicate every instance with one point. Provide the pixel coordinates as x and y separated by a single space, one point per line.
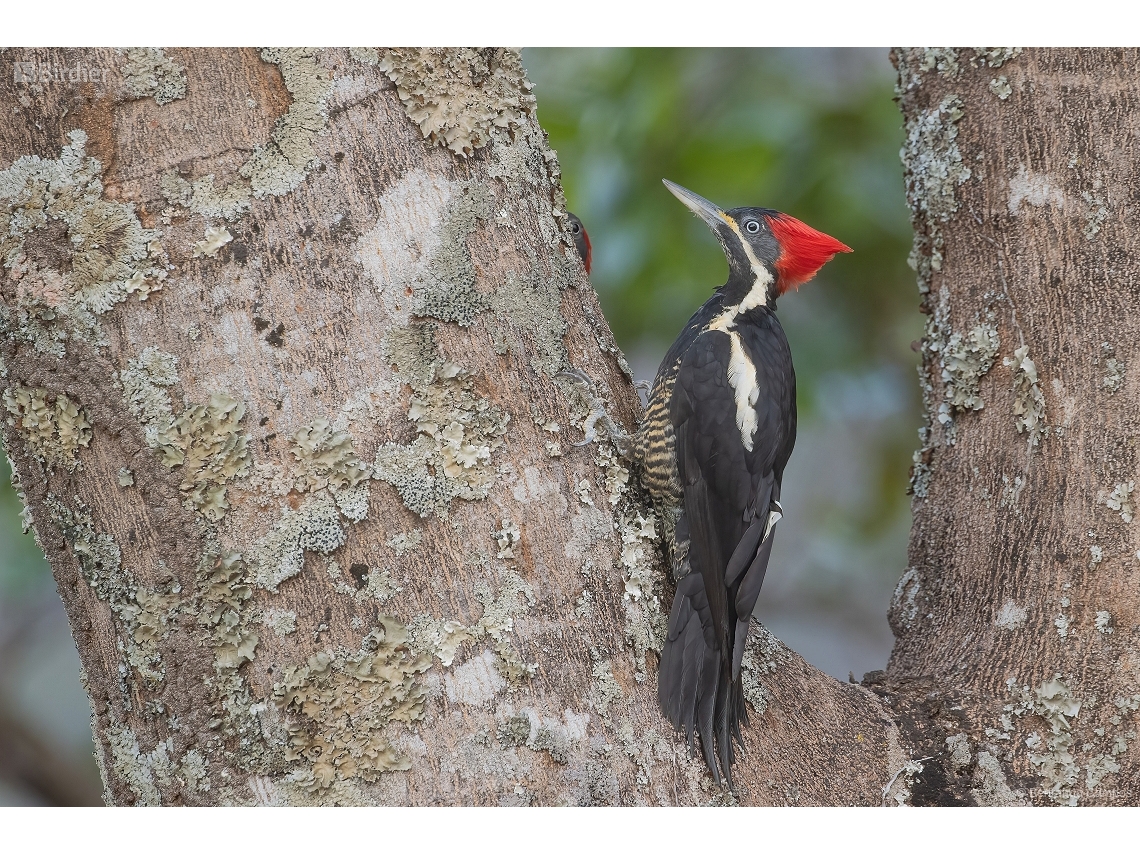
812 132
23 567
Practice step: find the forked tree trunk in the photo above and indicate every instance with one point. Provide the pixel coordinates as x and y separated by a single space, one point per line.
281 339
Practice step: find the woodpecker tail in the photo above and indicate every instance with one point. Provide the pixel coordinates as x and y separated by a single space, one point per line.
695 687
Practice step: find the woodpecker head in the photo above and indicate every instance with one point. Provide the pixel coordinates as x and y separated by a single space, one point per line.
769 253
581 240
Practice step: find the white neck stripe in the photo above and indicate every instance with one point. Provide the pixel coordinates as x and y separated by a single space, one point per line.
760 274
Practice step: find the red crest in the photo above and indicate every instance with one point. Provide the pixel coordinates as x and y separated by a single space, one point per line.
803 251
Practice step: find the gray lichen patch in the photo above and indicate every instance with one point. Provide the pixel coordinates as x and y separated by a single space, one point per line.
990 786
445 288
532 304
1028 399
1052 754
405 541
458 95
365 55
150 72
514 598
209 447
934 169
326 458
54 430
278 166
456 432
343 708
72 254
282 621
605 688
204 197
762 657
994 57
411 350
1096 209
145 616
1000 87
1053 748
280 554
1114 371
1103 623
334 479
145 380
507 538
223 591
1011 616
1119 500
143 771
443 638
943 60
100 561
638 536
965 358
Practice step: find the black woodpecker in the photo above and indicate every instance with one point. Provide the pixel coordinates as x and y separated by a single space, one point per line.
581 240
718 430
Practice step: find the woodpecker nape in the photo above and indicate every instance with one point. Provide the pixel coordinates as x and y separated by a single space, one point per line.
718 430
581 240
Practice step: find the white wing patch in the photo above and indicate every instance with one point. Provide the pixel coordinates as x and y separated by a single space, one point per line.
741 371
742 379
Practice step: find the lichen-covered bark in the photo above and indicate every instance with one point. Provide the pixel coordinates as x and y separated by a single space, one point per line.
1015 669
281 333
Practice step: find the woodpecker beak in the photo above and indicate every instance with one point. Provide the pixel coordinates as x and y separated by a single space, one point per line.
703 208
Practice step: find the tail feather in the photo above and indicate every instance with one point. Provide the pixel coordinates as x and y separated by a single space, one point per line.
695 687
707 692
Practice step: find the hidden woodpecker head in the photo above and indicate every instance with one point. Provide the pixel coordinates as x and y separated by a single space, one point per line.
763 247
581 240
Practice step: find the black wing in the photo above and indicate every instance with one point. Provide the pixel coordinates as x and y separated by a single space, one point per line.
729 490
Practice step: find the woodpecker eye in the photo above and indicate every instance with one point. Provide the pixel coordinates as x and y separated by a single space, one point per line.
752 227
574 227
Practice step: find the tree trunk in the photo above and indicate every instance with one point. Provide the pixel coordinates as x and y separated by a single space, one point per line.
281 337
1017 620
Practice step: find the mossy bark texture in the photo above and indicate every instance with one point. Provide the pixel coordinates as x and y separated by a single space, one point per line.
1015 666
282 332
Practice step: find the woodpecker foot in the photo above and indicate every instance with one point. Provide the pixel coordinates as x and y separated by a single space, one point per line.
622 441
643 387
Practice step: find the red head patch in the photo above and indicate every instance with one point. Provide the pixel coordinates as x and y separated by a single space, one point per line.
803 251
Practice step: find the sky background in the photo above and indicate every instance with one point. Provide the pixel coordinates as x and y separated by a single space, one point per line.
812 132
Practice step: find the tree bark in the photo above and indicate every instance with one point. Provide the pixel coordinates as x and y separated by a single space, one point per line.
1016 621
281 340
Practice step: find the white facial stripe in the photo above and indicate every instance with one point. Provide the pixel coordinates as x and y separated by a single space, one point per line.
742 379
761 278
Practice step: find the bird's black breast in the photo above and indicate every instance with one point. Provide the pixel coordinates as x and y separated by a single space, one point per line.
738 443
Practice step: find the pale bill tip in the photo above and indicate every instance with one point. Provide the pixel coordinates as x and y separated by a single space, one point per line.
700 206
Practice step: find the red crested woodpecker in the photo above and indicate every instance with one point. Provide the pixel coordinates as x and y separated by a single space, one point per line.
718 430
581 240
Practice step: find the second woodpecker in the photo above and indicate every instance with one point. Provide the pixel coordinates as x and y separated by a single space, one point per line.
718 430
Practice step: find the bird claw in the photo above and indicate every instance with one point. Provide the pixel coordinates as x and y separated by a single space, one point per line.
621 440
